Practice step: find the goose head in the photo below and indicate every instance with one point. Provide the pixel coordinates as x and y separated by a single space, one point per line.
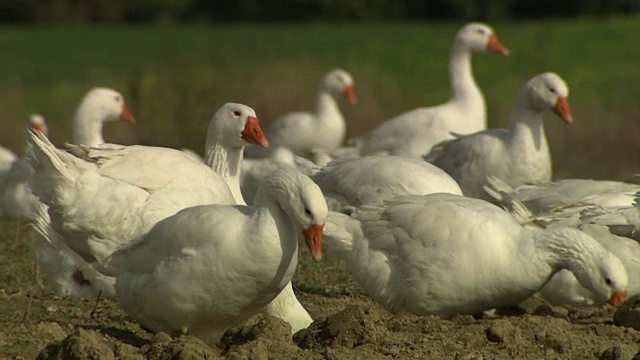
594 267
607 280
107 103
303 201
480 38
38 123
549 91
339 82
236 125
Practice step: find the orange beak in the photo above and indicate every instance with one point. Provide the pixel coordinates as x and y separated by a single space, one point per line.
313 235
618 297
350 94
563 110
252 133
126 115
39 127
496 46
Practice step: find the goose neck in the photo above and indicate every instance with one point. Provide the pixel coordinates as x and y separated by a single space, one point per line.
565 248
327 105
87 126
226 161
463 84
268 204
525 126
279 247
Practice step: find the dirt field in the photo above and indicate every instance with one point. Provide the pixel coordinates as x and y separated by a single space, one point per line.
36 323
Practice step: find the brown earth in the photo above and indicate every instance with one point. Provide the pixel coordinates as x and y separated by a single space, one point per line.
35 323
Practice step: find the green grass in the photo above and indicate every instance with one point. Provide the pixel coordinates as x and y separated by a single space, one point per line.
175 78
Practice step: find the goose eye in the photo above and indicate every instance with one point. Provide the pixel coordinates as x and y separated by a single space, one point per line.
237 113
552 89
480 31
608 281
117 98
307 211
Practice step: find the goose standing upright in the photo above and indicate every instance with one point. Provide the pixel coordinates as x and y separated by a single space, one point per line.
166 280
444 254
517 155
323 131
413 133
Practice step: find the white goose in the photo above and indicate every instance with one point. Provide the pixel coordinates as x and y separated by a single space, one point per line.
547 197
39 123
166 280
7 158
413 133
16 199
374 179
97 106
563 288
156 183
113 194
324 130
445 254
517 155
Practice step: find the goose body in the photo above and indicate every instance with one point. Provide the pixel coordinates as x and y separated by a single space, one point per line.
374 179
414 133
209 268
517 155
445 254
545 197
255 170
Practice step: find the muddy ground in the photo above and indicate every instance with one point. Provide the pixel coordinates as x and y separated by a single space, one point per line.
35 323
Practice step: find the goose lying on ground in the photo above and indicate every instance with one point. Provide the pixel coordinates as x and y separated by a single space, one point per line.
445 254
547 197
166 280
517 155
563 288
415 132
374 179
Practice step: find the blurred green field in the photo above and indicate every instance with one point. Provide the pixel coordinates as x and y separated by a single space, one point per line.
175 78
